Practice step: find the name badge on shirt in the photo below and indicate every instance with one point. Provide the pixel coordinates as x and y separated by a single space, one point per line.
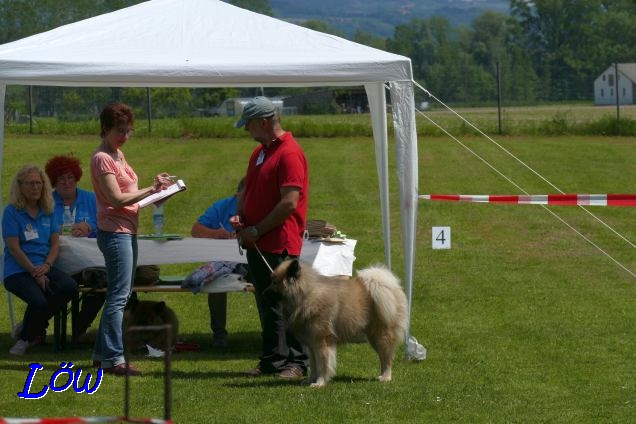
260 158
30 233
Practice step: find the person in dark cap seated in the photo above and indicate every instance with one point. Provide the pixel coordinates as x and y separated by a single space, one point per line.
215 223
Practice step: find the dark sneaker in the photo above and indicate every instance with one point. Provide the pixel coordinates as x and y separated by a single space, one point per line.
292 372
121 370
219 343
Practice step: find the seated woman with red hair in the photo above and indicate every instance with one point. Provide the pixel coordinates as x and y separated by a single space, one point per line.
65 172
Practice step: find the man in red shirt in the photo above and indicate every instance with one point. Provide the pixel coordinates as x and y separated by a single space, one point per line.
272 214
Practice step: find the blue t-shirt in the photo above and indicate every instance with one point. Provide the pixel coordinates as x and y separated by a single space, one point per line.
218 215
34 236
84 209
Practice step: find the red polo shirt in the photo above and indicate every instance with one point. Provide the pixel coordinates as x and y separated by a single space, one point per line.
282 164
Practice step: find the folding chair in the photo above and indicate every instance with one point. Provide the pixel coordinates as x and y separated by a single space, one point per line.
9 296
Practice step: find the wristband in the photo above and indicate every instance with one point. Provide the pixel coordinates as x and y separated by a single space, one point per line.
253 231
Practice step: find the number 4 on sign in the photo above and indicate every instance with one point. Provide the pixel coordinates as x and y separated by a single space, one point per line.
441 237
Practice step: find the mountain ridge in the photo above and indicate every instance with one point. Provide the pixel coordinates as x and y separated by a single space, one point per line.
380 17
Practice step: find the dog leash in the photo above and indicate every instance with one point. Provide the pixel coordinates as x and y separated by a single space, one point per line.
263 258
238 239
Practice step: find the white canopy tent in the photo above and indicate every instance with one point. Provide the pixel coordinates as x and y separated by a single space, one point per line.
209 43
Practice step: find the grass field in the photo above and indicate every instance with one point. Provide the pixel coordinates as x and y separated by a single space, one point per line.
559 119
524 320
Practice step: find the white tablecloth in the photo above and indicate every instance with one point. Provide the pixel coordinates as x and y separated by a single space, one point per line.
79 253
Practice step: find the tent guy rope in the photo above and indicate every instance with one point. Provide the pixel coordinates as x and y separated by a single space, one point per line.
599 220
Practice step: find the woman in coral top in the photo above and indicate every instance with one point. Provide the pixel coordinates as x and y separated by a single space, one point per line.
117 193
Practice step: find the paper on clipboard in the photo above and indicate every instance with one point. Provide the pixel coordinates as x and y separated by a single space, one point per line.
163 194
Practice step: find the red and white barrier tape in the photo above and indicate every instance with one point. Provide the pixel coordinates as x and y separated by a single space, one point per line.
541 199
82 420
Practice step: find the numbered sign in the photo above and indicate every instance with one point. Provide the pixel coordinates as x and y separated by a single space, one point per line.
441 237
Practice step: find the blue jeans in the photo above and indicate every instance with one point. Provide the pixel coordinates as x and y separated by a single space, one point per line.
120 256
41 305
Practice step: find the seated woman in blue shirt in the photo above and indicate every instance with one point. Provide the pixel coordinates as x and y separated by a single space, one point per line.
215 223
64 172
31 246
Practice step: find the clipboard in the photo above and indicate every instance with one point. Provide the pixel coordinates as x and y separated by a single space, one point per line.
173 189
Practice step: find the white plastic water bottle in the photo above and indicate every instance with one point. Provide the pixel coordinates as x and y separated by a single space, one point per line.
157 220
67 221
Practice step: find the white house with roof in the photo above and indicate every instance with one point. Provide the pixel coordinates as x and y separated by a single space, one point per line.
605 86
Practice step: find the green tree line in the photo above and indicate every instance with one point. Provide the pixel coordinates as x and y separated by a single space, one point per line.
542 51
545 50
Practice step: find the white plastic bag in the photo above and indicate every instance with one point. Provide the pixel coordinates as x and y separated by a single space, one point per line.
414 350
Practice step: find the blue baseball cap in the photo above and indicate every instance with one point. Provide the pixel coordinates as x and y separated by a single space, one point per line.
258 107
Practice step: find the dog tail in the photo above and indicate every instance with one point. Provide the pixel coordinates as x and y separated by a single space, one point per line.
388 296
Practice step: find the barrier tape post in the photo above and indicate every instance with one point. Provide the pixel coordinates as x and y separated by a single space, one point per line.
167 375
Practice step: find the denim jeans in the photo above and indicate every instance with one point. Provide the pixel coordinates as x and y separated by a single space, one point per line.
120 256
41 305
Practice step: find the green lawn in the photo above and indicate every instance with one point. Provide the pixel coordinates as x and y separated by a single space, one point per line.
524 320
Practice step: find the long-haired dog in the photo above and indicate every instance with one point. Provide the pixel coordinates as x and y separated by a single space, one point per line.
150 313
322 312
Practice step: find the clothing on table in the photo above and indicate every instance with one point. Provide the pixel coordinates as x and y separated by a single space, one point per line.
206 273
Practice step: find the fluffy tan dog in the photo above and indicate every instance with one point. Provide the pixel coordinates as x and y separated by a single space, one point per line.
323 312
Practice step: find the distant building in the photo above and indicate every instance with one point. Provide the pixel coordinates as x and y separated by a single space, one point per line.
330 100
234 107
605 85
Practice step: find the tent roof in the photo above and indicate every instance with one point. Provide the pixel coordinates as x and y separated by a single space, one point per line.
193 43
208 43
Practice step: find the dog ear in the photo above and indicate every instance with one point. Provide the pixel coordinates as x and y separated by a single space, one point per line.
159 307
132 303
293 270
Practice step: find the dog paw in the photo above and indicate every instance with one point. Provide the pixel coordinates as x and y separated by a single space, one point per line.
320 382
385 378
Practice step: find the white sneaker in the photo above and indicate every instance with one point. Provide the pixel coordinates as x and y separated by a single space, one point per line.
19 348
17 329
